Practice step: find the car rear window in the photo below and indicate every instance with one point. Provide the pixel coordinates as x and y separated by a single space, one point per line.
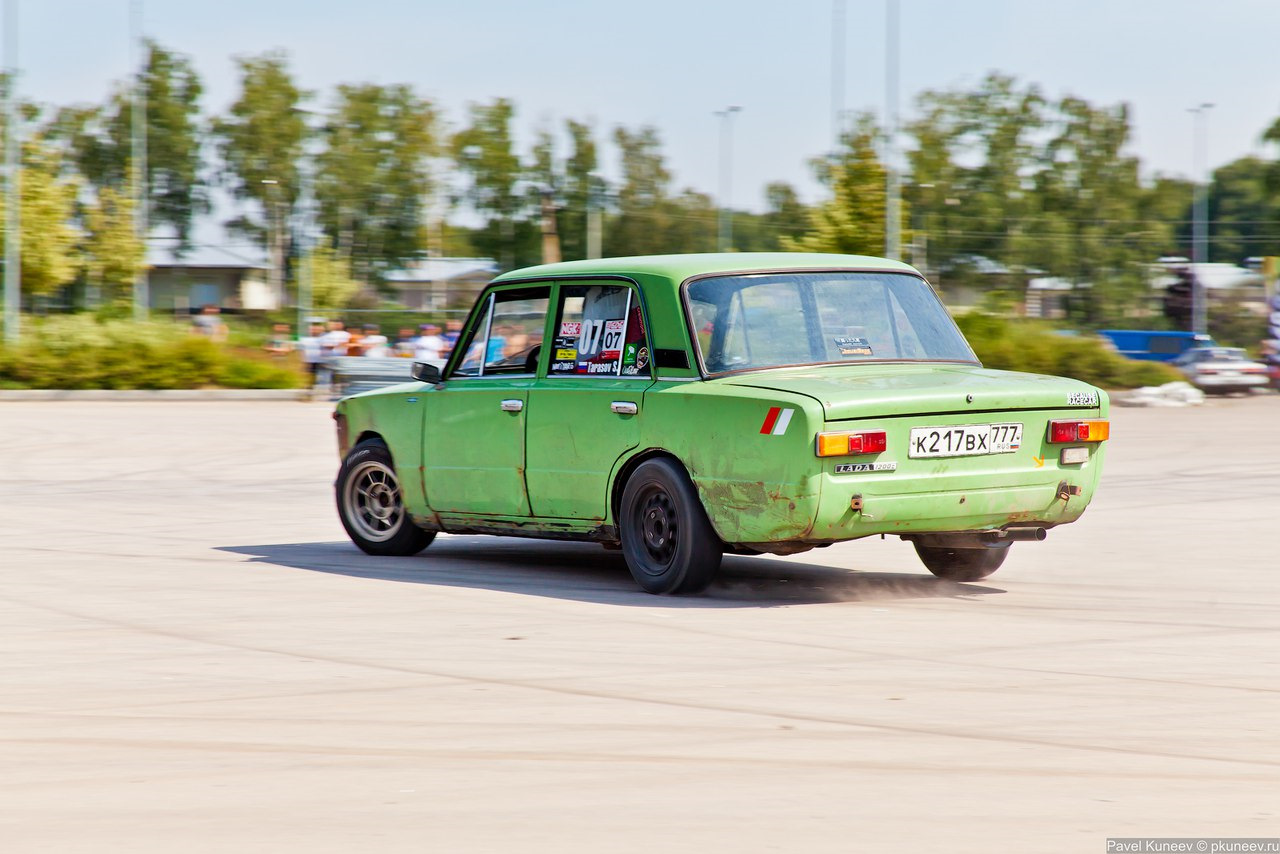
771 319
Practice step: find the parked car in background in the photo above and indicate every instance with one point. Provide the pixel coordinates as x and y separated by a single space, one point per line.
1153 345
1271 358
1221 370
680 407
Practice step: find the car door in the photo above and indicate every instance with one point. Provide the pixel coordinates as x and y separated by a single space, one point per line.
584 412
474 433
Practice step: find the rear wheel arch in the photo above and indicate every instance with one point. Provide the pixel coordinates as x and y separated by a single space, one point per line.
627 468
374 435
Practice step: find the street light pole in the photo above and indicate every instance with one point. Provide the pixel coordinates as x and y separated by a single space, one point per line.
138 162
726 175
837 72
305 269
893 185
1199 218
595 217
12 177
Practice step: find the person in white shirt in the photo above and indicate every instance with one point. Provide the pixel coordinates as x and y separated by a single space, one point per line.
334 342
309 347
374 342
428 344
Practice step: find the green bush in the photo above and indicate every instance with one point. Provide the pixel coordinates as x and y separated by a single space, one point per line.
1014 345
82 352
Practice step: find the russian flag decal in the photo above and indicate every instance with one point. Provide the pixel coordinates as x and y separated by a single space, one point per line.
775 423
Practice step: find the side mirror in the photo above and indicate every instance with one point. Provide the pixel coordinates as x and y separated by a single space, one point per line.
425 372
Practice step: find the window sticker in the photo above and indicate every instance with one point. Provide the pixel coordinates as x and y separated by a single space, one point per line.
852 346
612 340
570 329
640 361
600 339
566 353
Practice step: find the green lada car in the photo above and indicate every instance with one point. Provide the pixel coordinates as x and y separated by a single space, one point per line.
679 407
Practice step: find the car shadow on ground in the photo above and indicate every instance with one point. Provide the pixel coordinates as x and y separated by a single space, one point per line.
588 573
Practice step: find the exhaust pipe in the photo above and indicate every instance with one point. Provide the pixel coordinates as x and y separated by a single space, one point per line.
1016 534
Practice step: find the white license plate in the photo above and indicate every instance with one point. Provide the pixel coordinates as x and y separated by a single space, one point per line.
971 440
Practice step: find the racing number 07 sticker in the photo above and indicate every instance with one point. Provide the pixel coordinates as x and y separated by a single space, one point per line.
775 423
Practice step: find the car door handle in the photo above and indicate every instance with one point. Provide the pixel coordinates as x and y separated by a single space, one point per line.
512 405
624 407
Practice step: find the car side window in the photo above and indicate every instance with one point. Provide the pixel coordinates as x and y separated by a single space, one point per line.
599 331
507 337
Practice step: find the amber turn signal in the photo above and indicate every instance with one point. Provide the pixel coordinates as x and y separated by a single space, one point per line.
1079 431
850 444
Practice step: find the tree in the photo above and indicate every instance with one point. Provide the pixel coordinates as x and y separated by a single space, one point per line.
582 190
643 206
484 150
1091 190
262 140
175 186
332 283
852 220
114 255
49 236
373 176
1244 211
974 154
101 141
1038 188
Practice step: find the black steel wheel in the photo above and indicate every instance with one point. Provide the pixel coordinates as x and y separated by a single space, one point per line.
371 505
669 544
962 564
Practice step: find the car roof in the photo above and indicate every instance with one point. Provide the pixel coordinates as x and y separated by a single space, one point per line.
681 267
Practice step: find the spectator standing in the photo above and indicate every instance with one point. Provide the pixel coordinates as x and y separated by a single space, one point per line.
208 323
375 343
429 344
280 343
310 348
334 342
452 331
406 343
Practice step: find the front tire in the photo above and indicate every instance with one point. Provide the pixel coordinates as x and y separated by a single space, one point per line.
371 505
962 564
668 543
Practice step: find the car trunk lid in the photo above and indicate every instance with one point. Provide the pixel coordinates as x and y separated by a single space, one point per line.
886 390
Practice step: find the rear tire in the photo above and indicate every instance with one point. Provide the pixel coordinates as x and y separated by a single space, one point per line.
668 543
962 564
371 505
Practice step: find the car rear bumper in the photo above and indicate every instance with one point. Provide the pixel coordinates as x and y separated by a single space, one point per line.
851 509
1214 383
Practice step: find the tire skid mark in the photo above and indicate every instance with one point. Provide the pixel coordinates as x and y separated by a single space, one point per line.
623 697
490 755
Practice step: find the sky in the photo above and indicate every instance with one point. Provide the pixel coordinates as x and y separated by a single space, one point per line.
674 63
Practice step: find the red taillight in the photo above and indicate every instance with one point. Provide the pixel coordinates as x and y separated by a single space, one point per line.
1061 432
872 442
847 444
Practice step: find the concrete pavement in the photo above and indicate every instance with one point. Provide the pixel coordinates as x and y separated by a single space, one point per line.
195 659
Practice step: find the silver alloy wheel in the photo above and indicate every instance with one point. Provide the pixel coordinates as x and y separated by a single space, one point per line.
372 501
